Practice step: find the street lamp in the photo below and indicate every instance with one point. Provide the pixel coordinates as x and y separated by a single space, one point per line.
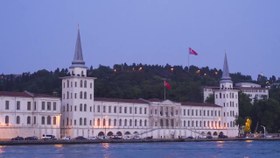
263 130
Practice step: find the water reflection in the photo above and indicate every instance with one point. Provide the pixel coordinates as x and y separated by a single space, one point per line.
2 149
220 144
105 145
106 151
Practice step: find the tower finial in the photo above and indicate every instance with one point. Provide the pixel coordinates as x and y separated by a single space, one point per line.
226 75
78 60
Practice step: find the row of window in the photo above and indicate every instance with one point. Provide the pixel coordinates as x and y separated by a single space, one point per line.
83 84
49 106
231 95
192 112
83 95
44 120
106 123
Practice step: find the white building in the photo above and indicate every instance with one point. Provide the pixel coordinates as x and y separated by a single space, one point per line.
84 115
27 114
253 90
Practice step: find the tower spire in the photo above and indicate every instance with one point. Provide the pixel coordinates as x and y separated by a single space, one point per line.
225 75
78 60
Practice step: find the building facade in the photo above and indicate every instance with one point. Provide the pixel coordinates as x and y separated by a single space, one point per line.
78 113
26 114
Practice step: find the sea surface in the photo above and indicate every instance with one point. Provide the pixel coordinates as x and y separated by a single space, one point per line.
214 149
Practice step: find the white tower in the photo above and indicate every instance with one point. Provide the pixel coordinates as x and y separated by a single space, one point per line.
227 97
77 98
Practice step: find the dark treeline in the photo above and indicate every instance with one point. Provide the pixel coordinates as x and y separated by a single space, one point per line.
127 81
146 81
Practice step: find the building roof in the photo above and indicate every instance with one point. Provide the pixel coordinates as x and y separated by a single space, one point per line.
225 77
78 60
139 101
200 104
25 94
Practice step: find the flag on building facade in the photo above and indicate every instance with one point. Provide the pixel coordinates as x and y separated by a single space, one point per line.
192 52
167 85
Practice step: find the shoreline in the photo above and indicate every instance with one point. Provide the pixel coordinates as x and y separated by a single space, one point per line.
66 142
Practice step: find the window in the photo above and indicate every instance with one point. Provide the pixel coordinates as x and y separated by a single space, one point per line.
81 95
81 83
145 124
18 120
81 121
104 122
130 110
90 85
6 119
28 120
75 108
7 105
81 107
98 108
125 110
18 105
145 110
109 122
130 122
34 106
54 106
75 84
85 121
98 122
125 122
48 120
34 120
43 120
109 109
85 84
115 122
85 95
43 105
115 109
135 110
85 107
104 109
120 122
120 109
135 123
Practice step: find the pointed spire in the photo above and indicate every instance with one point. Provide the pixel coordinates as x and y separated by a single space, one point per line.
78 60
225 75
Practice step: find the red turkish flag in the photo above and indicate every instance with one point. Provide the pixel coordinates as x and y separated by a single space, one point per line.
167 85
192 52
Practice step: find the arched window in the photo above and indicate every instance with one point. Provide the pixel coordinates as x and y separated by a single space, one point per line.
18 120
115 122
81 83
81 95
43 120
28 120
85 121
120 122
135 123
81 121
85 95
7 119
109 122
85 107
145 123
48 120
125 122
130 122
98 122
140 124
85 84
104 122
54 120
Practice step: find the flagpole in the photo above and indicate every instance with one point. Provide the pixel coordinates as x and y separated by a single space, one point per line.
189 62
164 90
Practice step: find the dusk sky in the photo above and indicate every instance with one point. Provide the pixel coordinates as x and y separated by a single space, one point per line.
38 35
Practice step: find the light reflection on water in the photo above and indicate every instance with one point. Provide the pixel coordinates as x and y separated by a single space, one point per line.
218 149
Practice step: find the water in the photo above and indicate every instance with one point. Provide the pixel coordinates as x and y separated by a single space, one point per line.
218 149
